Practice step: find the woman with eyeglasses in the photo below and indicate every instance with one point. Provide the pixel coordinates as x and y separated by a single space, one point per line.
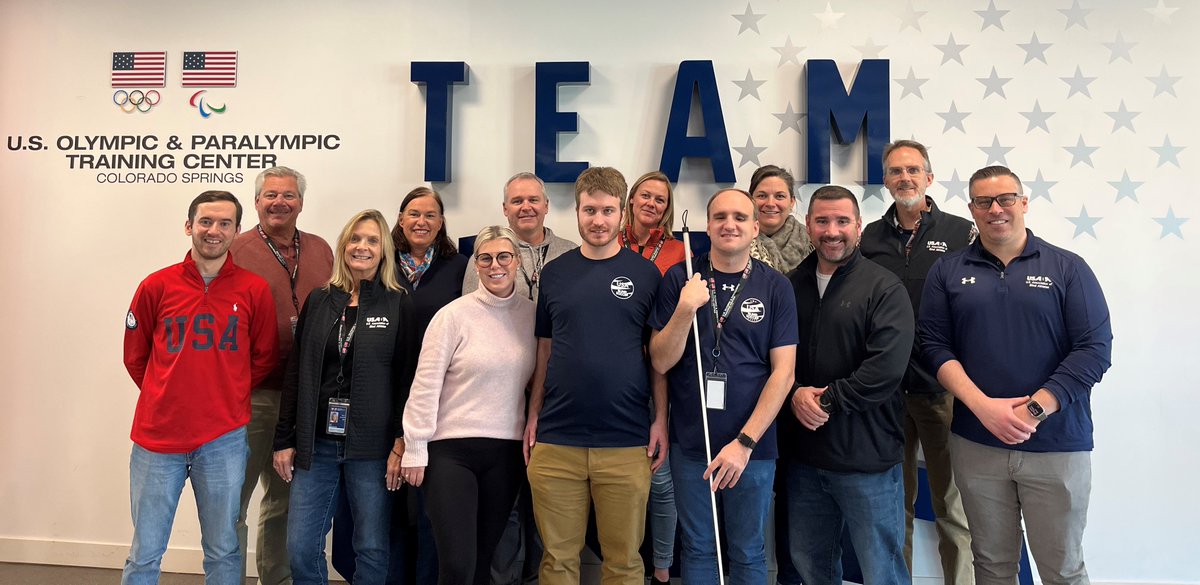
343 399
466 412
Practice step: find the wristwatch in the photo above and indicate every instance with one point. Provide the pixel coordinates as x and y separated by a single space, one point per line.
1036 410
744 440
825 402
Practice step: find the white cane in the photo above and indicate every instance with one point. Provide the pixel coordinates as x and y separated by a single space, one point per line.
712 495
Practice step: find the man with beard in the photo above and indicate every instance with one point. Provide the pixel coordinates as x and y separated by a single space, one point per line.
842 442
198 336
525 206
272 250
589 436
1019 331
911 236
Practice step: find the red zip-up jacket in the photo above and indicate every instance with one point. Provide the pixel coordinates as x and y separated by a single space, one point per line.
195 351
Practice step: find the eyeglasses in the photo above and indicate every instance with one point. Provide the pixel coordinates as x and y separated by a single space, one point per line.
1005 200
897 171
485 260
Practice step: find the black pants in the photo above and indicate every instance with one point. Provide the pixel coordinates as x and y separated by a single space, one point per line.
471 485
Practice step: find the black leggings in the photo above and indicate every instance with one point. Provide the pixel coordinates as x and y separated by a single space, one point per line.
471 485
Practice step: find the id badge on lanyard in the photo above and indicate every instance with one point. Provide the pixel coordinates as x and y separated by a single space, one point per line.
339 411
714 390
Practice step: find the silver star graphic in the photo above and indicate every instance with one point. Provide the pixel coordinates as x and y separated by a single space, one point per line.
1171 224
911 17
1161 12
1084 223
749 152
1035 49
872 191
749 86
1164 82
1076 15
1078 82
1123 118
955 188
1081 153
829 18
789 118
1126 187
869 50
1167 153
1037 118
749 20
993 84
1120 49
995 152
954 118
951 50
1040 187
788 52
911 84
991 16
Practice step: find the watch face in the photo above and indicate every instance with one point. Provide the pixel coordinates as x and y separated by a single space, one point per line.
1035 409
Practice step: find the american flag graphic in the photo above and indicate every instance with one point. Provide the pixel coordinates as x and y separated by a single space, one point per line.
210 69
139 69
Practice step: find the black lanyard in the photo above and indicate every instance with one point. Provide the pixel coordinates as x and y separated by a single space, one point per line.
344 339
626 242
720 318
292 272
531 282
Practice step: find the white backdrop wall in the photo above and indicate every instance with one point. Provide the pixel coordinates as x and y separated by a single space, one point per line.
75 249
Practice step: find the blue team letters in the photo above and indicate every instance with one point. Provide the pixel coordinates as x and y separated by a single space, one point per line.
203 333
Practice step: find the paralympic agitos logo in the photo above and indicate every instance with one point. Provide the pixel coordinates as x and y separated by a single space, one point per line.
136 74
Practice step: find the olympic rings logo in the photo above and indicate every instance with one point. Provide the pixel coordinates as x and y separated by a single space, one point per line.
137 99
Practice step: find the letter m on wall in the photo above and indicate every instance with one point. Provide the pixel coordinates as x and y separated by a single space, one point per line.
833 111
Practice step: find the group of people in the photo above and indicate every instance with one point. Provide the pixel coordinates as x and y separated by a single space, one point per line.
539 384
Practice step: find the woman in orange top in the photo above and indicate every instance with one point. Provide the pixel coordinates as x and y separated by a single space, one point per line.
649 215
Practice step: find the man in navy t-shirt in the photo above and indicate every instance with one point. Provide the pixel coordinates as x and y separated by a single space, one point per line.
746 316
590 431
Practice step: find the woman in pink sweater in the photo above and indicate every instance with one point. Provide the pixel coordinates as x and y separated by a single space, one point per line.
466 411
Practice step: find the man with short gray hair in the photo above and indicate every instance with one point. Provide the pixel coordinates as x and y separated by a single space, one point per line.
272 250
525 206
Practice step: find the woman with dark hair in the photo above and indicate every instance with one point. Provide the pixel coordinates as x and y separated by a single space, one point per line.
649 215
432 270
773 189
466 412
343 400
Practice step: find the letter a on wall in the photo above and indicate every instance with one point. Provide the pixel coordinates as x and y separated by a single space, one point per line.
696 78
831 110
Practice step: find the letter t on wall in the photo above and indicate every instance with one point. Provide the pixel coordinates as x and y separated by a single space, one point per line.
438 76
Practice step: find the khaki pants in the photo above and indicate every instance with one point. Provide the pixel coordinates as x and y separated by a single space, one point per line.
927 422
271 547
565 480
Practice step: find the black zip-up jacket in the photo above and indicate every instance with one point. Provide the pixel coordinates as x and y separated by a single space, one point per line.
385 359
938 234
856 340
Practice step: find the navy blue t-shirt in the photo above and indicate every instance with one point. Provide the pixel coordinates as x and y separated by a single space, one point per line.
764 317
597 384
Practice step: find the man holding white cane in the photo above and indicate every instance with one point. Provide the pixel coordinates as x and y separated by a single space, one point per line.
746 317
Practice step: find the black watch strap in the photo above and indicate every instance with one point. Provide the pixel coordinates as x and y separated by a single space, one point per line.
744 440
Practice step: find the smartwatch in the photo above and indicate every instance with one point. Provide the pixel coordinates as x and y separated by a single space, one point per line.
744 440
1036 410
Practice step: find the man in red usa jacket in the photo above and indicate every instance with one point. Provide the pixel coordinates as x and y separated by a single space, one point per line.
198 335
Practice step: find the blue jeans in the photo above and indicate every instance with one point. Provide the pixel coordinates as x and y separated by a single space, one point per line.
663 517
155 483
310 514
745 507
870 505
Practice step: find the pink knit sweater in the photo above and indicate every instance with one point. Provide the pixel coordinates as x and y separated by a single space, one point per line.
476 361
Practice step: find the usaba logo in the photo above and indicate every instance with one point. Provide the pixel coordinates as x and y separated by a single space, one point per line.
133 73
